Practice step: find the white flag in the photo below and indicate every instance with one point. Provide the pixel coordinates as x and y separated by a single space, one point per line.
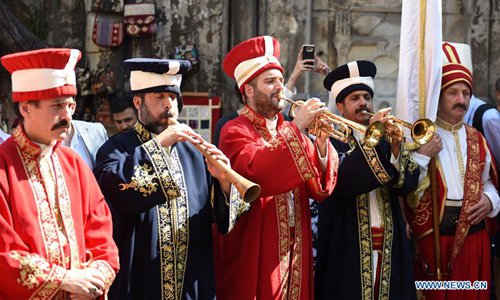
419 80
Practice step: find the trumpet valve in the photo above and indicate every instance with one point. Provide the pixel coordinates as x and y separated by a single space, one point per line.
315 127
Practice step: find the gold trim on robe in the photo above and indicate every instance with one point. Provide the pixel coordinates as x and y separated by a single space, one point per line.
290 279
173 215
106 270
473 188
296 279
289 135
237 207
385 268
366 247
302 163
406 163
55 217
364 224
373 161
31 268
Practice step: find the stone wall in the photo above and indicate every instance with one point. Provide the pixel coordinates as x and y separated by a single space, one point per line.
348 30
342 30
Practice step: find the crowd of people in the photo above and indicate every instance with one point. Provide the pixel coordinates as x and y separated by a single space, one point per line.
153 213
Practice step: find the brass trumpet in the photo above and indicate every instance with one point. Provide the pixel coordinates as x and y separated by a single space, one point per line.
248 190
326 121
422 130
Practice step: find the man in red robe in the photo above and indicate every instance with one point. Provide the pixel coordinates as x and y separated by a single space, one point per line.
55 227
466 193
268 255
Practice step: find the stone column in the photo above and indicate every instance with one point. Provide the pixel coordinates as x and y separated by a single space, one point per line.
494 44
479 12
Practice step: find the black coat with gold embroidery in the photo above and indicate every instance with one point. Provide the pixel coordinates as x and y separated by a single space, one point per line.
162 217
344 268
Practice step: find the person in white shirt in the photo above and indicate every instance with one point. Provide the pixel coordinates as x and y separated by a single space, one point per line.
3 136
466 192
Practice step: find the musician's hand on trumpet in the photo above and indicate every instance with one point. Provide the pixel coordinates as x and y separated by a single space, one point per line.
393 132
308 113
380 115
421 130
431 148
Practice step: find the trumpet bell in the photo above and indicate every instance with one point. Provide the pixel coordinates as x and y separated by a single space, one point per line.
422 131
374 133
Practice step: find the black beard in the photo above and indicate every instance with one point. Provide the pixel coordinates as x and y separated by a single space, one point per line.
154 125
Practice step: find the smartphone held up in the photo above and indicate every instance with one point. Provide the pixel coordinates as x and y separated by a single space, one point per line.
308 53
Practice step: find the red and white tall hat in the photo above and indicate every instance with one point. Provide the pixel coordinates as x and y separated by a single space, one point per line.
457 64
250 58
42 74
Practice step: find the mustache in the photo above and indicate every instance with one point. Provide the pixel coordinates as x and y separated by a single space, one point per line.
460 105
61 124
358 110
166 115
276 94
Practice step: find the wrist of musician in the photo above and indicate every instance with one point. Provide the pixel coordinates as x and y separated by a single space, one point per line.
301 125
164 141
493 198
225 186
490 204
322 149
220 177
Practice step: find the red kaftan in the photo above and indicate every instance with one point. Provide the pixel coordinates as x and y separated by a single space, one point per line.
49 221
468 254
264 257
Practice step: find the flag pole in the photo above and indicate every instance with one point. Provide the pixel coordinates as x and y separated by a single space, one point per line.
435 219
432 164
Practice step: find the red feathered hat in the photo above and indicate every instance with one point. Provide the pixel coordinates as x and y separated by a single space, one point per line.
457 64
250 58
42 74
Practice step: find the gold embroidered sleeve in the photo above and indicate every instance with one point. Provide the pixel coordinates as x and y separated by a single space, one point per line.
237 207
406 163
106 270
144 180
227 209
37 274
414 197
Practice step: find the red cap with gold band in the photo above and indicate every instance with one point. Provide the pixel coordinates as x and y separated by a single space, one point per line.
250 58
457 64
42 74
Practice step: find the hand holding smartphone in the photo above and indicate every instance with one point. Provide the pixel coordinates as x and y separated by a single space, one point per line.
308 53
